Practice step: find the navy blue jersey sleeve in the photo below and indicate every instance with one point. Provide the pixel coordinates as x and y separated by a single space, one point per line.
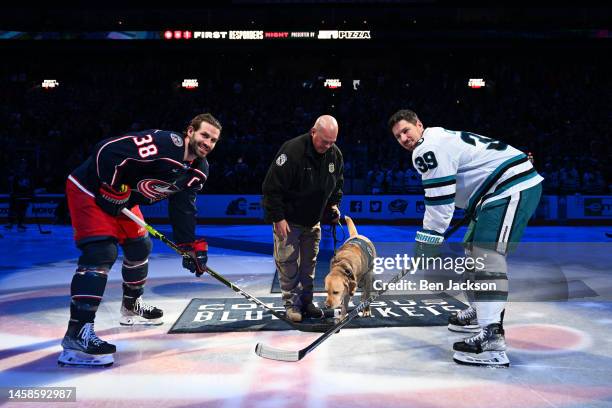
112 156
182 209
182 213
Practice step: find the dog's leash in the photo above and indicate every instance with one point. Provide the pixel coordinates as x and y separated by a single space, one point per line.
334 233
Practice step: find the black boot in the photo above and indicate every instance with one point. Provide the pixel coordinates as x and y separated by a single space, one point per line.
310 310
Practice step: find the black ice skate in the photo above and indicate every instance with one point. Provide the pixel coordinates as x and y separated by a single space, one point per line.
464 321
487 348
137 312
85 349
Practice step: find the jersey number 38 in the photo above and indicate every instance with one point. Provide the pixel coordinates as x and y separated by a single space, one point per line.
145 147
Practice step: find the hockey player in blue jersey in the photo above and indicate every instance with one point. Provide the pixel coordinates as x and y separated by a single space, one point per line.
138 168
499 188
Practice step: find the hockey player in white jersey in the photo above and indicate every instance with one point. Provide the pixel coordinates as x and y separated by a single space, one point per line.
499 188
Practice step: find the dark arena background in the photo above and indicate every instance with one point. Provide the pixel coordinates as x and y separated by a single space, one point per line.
537 78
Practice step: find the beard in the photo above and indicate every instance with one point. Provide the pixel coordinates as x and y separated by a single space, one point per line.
195 150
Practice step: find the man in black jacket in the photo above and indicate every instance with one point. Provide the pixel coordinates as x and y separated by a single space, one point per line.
304 180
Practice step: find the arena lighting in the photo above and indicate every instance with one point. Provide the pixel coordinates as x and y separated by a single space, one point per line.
49 83
332 83
177 35
476 83
190 83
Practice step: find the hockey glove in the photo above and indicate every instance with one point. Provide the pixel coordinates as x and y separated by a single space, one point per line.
112 201
198 256
428 244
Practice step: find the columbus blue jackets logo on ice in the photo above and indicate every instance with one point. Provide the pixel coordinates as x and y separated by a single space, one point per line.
176 139
331 167
282 159
156 190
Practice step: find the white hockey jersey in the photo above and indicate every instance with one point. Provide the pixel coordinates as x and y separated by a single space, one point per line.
467 170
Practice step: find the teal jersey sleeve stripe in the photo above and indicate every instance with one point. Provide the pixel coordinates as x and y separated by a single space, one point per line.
439 180
440 202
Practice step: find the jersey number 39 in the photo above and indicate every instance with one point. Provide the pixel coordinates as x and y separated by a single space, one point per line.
145 147
426 162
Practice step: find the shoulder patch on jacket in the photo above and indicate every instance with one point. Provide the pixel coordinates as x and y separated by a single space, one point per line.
282 159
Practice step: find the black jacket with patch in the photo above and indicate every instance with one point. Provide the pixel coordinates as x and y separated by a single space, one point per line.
301 182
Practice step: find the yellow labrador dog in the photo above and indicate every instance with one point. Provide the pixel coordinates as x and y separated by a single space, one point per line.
351 267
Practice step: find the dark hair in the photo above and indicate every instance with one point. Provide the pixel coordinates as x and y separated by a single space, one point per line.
403 114
204 117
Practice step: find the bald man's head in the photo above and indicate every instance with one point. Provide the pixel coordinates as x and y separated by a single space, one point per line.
324 133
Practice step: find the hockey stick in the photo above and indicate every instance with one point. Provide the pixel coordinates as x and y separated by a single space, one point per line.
302 327
36 216
457 225
291 355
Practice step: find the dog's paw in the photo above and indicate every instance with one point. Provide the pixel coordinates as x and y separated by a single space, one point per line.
366 313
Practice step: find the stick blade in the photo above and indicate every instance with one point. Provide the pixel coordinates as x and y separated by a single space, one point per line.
272 353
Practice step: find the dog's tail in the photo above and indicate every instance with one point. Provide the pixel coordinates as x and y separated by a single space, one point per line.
351 226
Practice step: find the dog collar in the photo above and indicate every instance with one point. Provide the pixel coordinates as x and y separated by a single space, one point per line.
348 273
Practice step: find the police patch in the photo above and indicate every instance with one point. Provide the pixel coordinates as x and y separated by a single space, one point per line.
176 139
282 159
331 167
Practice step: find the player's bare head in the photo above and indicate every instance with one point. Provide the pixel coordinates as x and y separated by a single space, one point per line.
403 114
406 128
202 135
196 122
324 133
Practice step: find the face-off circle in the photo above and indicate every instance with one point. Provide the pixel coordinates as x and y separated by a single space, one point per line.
546 338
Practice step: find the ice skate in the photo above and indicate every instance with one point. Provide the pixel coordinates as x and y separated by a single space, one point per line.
137 312
464 321
85 349
487 348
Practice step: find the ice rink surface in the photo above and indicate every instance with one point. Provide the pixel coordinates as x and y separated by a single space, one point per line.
561 351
